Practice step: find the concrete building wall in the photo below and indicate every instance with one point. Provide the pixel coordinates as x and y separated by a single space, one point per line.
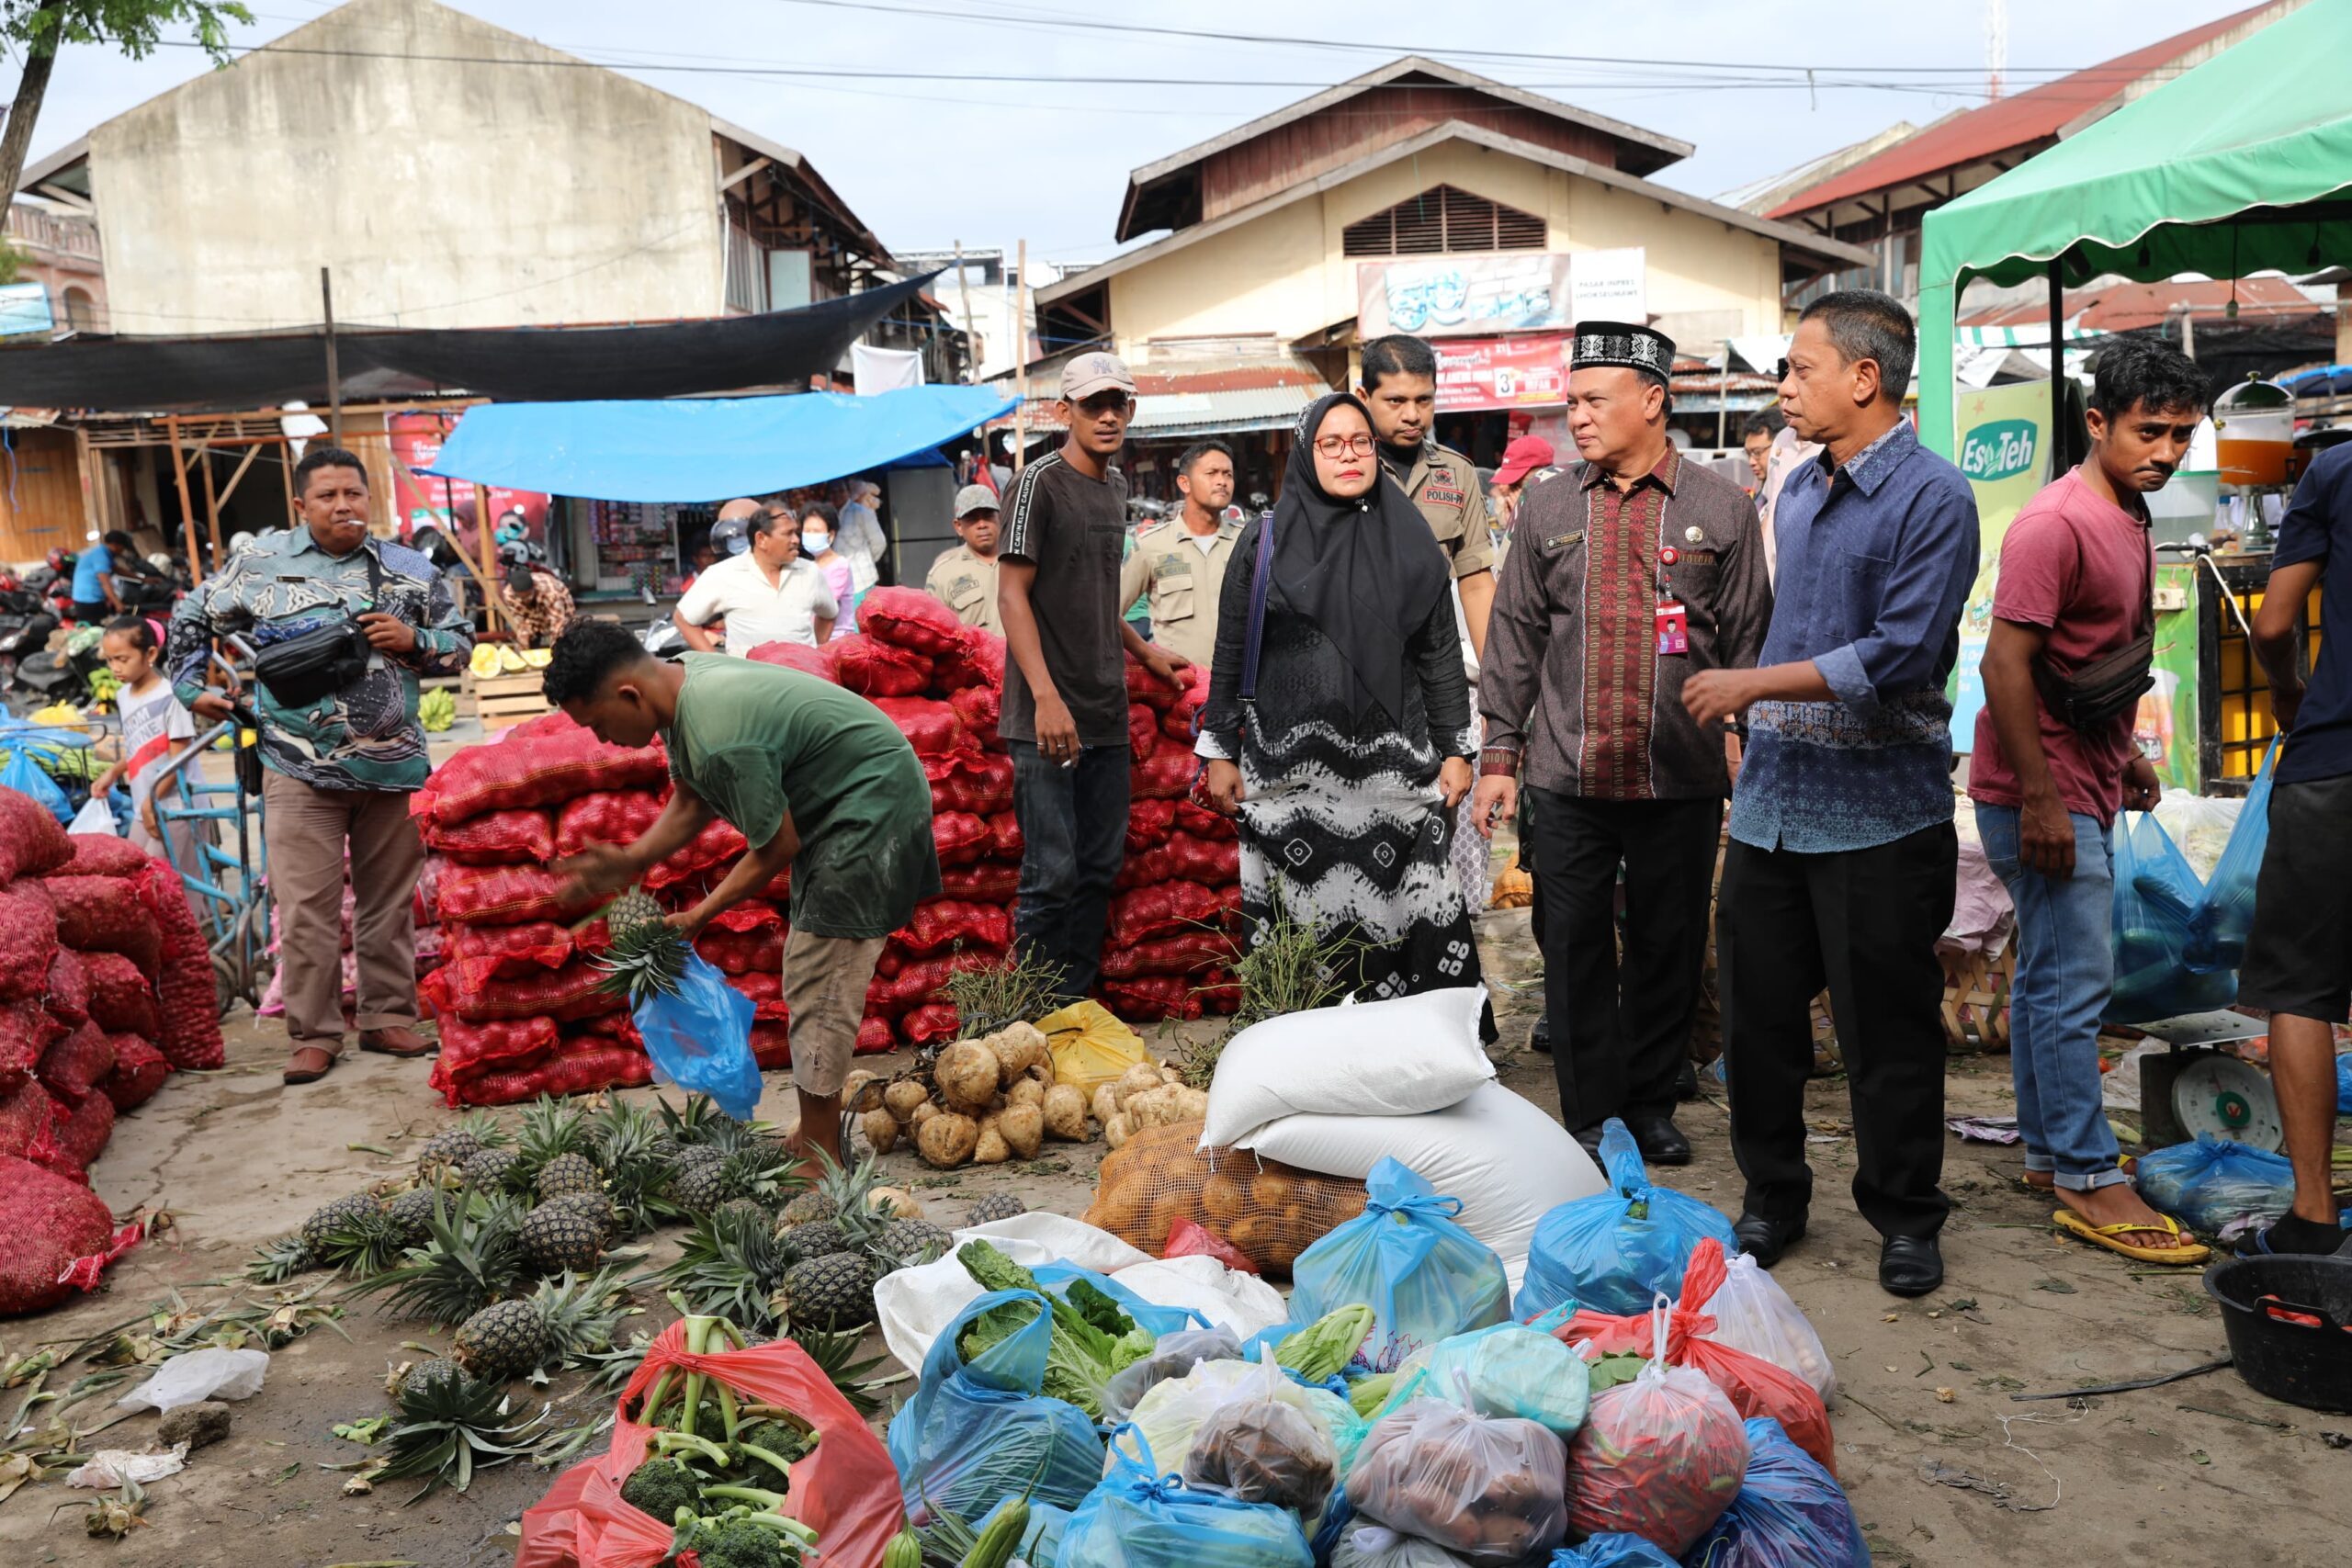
1285 274
442 194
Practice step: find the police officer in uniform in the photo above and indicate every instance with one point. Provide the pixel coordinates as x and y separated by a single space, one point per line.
1400 388
1178 565
964 578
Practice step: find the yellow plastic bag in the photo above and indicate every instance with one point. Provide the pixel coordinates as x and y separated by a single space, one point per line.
1091 1048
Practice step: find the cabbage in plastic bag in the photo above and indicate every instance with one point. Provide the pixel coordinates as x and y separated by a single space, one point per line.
2212 1181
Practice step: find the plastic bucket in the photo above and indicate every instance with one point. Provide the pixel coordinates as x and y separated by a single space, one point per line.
2289 1323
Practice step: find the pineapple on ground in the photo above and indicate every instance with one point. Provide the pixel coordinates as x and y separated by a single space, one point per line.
488 1170
835 1290
410 1214
325 1221
440 1369
996 1206
648 956
700 1181
504 1340
567 1174
903 1243
561 1235
595 1205
815 1238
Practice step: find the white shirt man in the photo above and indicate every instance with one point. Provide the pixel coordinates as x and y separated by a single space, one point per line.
860 541
766 594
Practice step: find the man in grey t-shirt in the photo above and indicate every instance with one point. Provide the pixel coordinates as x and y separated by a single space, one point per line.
1065 713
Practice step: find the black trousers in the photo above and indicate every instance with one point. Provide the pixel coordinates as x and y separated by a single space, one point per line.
1864 922
1620 1031
1074 837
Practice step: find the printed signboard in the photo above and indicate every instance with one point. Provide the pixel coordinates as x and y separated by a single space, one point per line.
1464 296
2003 440
1501 373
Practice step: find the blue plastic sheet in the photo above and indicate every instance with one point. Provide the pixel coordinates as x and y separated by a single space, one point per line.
1789 1513
1425 1278
2157 899
976 1432
2212 1181
2224 912
2344 1086
1612 1549
22 773
700 1039
1139 1519
1617 1251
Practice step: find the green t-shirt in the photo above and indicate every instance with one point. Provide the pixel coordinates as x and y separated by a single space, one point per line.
758 740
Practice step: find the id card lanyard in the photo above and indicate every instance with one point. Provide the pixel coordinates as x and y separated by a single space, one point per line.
1673 621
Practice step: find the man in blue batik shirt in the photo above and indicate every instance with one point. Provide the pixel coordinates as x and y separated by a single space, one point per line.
1841 865
339 770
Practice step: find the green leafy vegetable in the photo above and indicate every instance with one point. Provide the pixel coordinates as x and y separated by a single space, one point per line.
1324 1348
1091 1339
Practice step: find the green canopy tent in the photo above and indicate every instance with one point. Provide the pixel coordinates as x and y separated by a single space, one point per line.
2242 164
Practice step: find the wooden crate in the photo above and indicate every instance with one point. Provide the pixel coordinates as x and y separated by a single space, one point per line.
500 701
1977 998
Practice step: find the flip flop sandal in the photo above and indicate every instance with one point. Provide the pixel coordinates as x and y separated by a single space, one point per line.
2183 1250
299 1068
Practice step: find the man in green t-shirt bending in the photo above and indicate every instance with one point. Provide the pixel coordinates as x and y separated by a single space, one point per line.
816 778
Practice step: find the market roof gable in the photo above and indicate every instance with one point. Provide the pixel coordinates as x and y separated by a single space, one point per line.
1169 193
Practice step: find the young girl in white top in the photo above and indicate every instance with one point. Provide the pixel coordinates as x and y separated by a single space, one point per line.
155 728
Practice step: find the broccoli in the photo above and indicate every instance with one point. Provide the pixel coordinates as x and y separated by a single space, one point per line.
739 1544
661 1486
772 1446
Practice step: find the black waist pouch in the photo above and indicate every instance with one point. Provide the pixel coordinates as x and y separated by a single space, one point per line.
320 662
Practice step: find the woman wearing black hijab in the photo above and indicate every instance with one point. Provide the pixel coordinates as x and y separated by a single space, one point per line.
1344 751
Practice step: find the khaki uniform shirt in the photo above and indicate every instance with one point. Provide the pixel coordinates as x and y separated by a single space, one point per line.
965 583
1444 484
1184 583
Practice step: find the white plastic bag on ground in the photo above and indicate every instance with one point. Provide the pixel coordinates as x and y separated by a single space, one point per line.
1507 1160
194 1376
1377 1546
1752 1312
1392 1058
1171 1413
914 1306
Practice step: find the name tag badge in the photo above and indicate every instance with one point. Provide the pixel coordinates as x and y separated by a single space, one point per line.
1699 558
1673 627
1562 541
1445 495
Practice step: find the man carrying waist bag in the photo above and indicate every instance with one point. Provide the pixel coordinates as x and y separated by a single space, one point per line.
2053 761
343 625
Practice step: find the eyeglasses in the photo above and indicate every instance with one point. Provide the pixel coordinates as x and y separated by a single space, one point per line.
1343 446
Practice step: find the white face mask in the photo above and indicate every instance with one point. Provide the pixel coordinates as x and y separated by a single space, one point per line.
815 542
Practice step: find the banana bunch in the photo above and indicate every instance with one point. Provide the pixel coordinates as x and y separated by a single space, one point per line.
437 709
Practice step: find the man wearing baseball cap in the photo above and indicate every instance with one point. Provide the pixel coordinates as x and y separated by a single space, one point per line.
964 578
1065 711
1525 461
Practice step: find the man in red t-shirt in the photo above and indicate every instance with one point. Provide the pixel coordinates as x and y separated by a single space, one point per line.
2051 767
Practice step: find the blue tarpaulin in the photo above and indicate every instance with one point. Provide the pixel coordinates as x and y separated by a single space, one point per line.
705 448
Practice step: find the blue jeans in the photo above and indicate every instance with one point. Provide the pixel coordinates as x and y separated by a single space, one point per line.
2065 969
1074 837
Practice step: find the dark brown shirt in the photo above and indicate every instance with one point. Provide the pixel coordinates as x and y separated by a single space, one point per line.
1072 529
1573 687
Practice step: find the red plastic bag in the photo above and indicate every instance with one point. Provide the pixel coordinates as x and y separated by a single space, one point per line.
1753 1385
772 1041
929 725
766 989
910 618
1165 773
608 816
82 1131
1177 722
743 952
31 843
550 766
103 914
27 941
959 837
71 1069
928 1024
29 1125
846 1489
943 922
520 836
46 1222
581 1068
530 948
980 708
118 998
508 896
720 842
101 854
1186 1239
25 1032
1201 823
475 990
977 659
918 983
139 1071
984 882
874 669
1163 910
806 658
1143 729
979 783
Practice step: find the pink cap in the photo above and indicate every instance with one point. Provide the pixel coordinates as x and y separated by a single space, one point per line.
1523 458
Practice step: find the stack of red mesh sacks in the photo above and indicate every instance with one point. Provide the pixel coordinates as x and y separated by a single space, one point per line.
105 986
519 1002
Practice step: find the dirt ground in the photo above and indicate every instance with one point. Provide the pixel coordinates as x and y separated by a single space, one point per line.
1943 1466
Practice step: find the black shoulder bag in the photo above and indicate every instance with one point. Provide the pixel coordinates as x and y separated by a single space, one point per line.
320 662
2102 691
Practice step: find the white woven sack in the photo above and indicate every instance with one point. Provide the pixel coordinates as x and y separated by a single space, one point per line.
1391 1058
1507 1161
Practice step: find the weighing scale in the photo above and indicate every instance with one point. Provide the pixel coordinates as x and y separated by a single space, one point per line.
2201 1086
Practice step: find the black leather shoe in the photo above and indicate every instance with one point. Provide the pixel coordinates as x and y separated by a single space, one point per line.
1661 1141
1591 1139
1765 1240
1540 1037
1686 1081
1910 1265
1487 1033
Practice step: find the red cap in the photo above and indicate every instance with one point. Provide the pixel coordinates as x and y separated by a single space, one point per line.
1523 458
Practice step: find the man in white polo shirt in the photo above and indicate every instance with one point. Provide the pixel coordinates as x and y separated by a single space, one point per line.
765 594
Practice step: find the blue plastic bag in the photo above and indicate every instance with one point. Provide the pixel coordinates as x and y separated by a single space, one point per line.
1425 1278
1617 1251
1789 1513
1152 1318
1512 1371
978 1431
2157 897
2212 1181
1138 1520
2344 1086
700 1039
2225 914
1612 1549
24 775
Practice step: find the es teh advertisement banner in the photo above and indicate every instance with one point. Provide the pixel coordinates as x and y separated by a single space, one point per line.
2002 445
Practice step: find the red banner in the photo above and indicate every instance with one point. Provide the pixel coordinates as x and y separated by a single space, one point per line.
423 502
1501 372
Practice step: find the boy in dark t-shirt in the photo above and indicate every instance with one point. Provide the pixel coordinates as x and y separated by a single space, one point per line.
1065 715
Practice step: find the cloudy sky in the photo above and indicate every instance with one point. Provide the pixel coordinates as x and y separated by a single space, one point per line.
938 121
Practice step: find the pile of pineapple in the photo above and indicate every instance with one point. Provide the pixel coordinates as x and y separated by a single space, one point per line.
993 1098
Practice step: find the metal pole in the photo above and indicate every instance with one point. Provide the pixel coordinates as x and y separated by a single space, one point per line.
2058 434
971 339
335 380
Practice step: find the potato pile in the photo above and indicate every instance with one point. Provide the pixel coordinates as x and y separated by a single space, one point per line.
1147 1095
993 1098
